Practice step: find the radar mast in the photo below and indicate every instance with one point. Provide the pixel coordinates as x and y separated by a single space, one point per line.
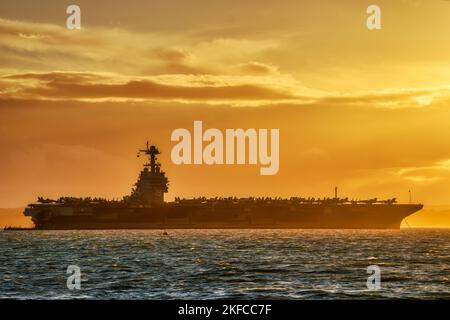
151 152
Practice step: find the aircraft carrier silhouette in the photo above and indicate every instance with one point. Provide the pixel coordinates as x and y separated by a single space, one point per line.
145 208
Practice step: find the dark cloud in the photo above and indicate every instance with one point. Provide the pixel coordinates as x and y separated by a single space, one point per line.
55 76
79 86
150 89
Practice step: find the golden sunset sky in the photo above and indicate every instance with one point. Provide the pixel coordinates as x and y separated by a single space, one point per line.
367 111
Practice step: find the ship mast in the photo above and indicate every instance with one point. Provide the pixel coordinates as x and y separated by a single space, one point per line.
152 152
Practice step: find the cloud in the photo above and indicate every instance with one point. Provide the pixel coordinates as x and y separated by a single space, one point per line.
395 97
46 47
172 55
177 61
255 67
38 46
63 85
243 90
430 173
150 89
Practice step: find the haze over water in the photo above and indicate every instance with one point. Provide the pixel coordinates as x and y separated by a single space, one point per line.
205 264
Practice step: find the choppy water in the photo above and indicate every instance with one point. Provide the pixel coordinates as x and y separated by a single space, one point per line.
203 264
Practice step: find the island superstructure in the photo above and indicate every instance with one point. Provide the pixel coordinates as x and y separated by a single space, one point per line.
145 208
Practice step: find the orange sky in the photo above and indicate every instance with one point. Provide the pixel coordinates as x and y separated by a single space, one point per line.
367 111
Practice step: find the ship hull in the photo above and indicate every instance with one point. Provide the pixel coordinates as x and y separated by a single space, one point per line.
173 216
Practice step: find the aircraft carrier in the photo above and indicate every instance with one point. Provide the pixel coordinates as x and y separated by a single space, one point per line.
145 208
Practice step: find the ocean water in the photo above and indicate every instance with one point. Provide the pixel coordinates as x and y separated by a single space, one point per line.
226 264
